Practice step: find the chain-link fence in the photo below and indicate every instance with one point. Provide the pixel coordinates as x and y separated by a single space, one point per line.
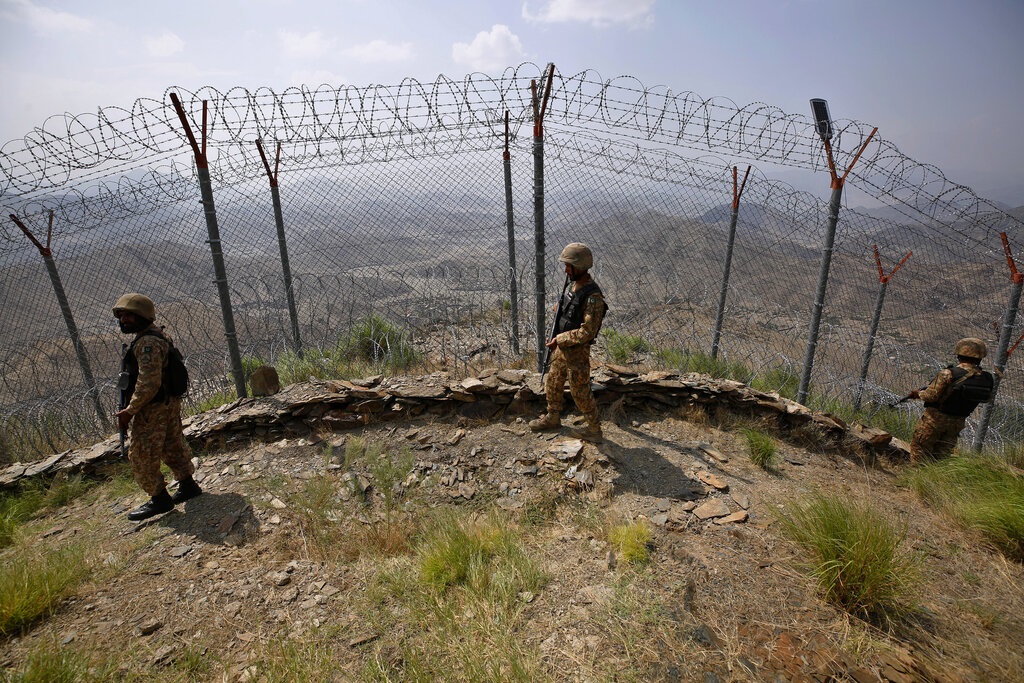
392 205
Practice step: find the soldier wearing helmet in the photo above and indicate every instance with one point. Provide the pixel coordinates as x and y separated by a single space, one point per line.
950 398
575 329
154 415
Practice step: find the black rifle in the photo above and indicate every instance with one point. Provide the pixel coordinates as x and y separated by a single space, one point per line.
122 384
906 398
554 326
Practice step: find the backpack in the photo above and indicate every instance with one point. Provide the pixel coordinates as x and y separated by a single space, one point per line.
174 379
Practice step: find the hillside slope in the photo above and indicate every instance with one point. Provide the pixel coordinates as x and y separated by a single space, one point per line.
304 560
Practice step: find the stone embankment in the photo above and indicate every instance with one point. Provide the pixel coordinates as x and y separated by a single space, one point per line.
335 405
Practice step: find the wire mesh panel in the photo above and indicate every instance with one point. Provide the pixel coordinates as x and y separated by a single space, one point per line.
394 209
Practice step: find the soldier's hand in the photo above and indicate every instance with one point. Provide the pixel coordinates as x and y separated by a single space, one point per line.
915 393
123 419
551 343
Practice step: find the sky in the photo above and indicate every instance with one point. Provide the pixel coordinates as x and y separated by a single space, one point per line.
941 79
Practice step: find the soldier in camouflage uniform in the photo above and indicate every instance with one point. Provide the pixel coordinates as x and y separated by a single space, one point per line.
580 320
950 398
154 415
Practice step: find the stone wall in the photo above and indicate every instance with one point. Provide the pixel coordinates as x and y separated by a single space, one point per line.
495 394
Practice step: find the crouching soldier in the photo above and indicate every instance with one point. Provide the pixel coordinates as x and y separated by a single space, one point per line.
151 404
575 329
948 401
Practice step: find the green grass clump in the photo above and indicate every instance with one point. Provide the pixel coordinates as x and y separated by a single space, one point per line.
632 541
981 493
623 347
482 556
856 555
33 583
762 447
382 344
51 663
214 400
783 381
20 505
685 360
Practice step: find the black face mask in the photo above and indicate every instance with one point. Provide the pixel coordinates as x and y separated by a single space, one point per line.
138 326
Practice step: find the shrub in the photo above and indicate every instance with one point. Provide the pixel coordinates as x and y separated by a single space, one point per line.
855 555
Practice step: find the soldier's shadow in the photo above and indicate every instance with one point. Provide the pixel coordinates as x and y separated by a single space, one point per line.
215 518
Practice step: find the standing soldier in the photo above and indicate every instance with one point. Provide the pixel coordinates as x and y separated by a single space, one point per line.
950 398
575 329
153 412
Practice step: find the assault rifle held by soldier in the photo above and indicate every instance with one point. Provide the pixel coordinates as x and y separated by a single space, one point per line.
123 380
554 326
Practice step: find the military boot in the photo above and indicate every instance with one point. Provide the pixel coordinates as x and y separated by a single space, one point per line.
187 490
157 505
591 432
549 420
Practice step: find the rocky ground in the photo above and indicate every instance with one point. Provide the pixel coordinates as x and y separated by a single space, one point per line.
231 572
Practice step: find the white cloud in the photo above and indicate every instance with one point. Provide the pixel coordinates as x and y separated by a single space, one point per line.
44 19
314 78
305 45
494 49
164 45
595 12
380 51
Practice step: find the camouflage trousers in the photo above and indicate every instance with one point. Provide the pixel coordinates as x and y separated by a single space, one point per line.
157 437
572 363
935 435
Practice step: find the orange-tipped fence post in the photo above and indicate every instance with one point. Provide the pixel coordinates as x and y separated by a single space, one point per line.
220 272
737 192
1002 352
69 319
883 279
510 225
539 108
825 132
282 244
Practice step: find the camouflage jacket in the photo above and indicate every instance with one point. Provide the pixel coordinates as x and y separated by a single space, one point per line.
150 353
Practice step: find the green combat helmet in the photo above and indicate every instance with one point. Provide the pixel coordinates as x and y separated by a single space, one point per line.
970 348
577 255
138 304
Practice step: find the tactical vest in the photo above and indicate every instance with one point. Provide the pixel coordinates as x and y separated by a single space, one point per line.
130 370
965 392
574 308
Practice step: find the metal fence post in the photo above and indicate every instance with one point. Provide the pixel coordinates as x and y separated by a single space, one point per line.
510 225
1009 320
220 272
538 211
883 279
819 297
282 245
69 319
720 318
826 260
